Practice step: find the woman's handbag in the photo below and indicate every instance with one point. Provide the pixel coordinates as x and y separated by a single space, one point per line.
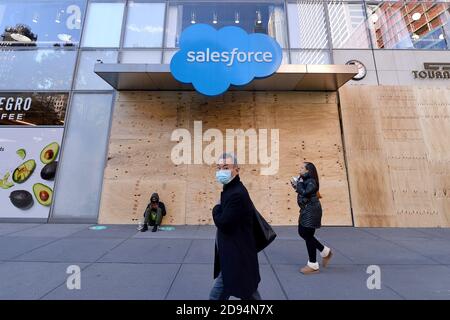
263 232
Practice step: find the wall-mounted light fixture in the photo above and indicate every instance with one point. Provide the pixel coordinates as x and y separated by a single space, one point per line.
58 17
416 16
258 17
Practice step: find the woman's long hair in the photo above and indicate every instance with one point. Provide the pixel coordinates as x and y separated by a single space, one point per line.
313 174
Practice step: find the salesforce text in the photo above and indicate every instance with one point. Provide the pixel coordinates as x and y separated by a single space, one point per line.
229 57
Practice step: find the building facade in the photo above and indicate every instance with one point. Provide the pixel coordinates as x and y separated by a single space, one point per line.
75 147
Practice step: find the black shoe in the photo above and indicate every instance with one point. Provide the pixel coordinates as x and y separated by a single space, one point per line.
155 228
144 228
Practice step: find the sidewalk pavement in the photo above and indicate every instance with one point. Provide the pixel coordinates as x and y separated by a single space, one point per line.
122 263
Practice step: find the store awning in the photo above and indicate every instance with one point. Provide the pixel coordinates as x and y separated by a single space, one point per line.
289 77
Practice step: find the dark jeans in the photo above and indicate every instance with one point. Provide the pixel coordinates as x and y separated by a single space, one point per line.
312 244
217 292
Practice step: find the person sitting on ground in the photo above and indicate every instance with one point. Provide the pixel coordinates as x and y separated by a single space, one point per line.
154 213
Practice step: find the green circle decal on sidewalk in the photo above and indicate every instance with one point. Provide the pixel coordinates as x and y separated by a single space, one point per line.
167 228
98 228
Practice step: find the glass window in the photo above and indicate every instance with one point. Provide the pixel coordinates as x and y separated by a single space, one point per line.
404 25
140 56
307 25
43 69
86 78
285 57
310 57
41 23
103 24
83 159
348 25
145 24
264 17
168 54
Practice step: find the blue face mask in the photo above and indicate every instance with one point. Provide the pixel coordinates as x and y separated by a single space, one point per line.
223 176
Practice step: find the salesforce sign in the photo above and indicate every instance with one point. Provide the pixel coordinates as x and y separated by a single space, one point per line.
212 60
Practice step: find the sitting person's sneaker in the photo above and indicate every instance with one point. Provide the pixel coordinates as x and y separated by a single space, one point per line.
326 254
310 268
155 228
144 228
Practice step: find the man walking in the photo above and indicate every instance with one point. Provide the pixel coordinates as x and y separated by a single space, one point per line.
236 267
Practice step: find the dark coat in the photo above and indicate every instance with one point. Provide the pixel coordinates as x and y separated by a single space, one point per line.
310 207
235 254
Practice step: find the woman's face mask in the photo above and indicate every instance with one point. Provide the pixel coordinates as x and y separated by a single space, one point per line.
223 176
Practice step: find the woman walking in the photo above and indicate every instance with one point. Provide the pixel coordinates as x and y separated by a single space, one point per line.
307 187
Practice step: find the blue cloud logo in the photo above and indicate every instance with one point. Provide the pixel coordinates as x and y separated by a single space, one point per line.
212 60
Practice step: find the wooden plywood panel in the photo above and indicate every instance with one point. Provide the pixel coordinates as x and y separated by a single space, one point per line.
396 141
124 200
140 149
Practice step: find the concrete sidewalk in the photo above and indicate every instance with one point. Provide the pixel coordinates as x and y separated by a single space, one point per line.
122 263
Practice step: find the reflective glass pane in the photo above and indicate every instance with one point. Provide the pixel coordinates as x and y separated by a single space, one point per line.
41 23
145 24
140 56
168 54
86 77
103 24
285 57
83 159
307 24
254 17
348 25
43 69
409 25
310 57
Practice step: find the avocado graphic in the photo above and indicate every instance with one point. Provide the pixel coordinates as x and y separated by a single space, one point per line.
21 199
43 194
49 153
24 171
4 183
21 153
48 172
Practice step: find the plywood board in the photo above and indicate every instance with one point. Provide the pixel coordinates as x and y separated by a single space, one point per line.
398 156
140 154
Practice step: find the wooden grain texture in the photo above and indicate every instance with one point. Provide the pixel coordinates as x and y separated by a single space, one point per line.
398 155
140 148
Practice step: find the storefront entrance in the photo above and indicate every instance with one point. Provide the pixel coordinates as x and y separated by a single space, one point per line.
140 154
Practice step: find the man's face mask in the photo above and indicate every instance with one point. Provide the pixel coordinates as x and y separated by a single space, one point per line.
223 176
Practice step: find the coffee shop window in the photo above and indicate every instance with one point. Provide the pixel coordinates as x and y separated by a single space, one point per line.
41 23
254 17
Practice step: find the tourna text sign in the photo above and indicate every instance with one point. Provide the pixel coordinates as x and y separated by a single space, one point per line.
33 109
212 60
433 70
